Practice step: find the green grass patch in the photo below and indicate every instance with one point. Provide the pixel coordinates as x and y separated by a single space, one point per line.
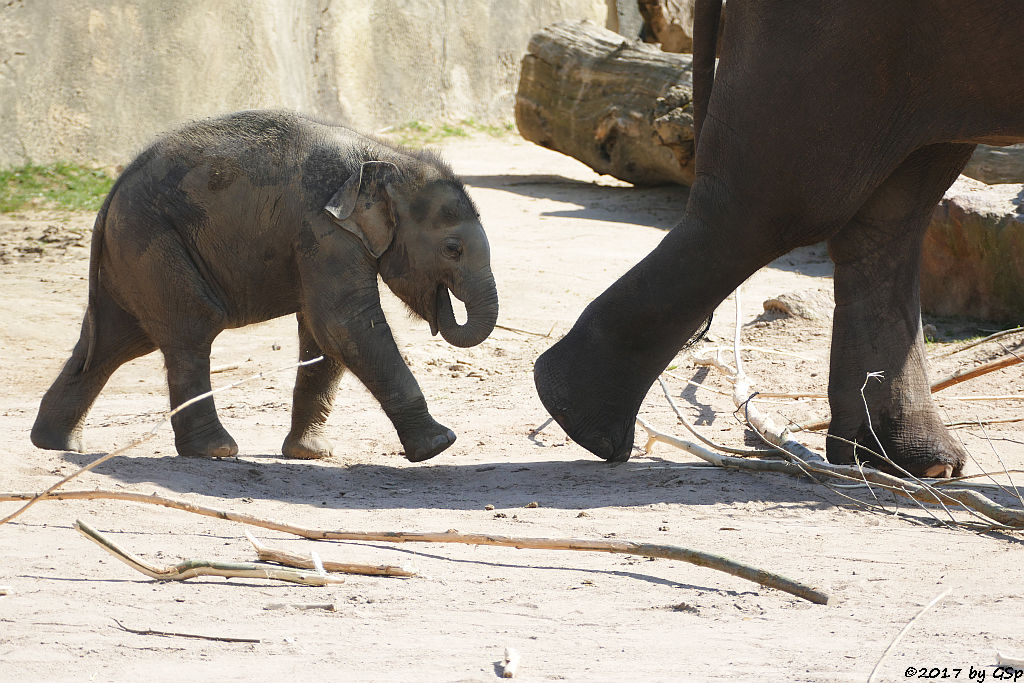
417 134
55 186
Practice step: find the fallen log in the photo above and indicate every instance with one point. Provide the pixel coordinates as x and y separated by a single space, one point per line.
619 106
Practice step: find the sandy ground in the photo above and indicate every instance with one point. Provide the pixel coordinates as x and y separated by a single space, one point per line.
560 235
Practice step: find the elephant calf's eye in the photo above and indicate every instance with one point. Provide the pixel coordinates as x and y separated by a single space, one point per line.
452 249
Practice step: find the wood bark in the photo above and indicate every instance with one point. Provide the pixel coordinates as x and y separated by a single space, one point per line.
621 107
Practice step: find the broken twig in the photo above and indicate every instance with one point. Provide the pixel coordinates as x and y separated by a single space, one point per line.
175 634
958 377
290 559
192 568
510 663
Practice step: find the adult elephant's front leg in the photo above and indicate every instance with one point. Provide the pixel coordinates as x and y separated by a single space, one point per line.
364 344
594 379
877 326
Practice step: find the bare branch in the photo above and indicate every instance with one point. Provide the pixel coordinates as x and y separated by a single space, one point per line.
192 568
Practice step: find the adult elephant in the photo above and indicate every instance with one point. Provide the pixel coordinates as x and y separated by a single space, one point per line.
843 122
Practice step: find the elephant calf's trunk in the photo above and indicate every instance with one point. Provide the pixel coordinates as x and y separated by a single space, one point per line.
481 316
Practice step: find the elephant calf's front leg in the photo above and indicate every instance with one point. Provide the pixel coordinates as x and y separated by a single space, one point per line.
312 399
366 346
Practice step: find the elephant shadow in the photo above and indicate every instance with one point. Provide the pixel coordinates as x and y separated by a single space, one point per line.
658 206
570 485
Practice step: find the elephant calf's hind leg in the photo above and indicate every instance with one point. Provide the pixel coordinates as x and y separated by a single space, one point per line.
197 429
117 339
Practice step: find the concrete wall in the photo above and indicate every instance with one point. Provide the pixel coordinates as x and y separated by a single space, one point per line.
94 80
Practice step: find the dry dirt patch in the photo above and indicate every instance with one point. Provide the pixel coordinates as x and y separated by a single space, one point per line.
559 235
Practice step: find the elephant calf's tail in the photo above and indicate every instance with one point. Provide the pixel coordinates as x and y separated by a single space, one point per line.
95 252
706 16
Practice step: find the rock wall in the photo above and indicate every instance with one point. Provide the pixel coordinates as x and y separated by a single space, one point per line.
95 80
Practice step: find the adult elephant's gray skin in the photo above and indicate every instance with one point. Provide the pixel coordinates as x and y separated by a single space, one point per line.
260 214
845 122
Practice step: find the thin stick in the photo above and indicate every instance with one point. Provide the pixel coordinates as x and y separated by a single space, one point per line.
762 349
516 329
224 368
701 437
955 378
742 397
1001 397
192 568
668 552
978 342
999 514
903 631
148 435
974 423
174 634
696 384
290 559
958 377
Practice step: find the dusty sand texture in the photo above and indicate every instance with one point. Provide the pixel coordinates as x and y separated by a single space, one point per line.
560 235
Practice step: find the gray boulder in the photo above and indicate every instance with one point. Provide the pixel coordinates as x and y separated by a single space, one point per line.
973 260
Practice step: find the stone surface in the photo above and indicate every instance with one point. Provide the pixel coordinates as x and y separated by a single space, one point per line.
994 165
810 304
973 262
95 80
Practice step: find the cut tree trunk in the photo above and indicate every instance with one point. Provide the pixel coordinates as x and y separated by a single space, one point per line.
621 107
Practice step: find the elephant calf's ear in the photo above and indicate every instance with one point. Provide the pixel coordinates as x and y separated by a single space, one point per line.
363 207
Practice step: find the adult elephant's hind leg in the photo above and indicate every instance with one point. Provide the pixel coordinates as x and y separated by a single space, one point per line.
116 339
877 325
312 399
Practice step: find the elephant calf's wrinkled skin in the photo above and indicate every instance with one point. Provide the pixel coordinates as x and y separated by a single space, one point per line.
256 215
841 121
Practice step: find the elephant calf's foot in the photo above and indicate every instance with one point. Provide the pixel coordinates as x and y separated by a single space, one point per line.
217 444
425 443
598 415
921 446
306 447
54 439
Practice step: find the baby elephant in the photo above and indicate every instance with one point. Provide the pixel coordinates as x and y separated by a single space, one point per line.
255 215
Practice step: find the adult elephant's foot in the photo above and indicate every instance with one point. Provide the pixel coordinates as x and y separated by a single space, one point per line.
916 443
887 420
423 443
210 443
306 447
578 389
